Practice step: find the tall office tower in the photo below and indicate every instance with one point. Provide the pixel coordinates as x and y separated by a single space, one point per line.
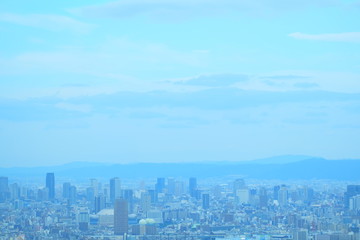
128 195
100 203
83 218
352 190
95 185
276 192
205 201
309 195
238 184
50 185
145 201
153 195
306 194
283 196
242 196
43 194
301 234
66 190
120 217
14 191
115 189
90 197
354 203
263 198
171 186
4 188
192 186
72 194
160 185
179 188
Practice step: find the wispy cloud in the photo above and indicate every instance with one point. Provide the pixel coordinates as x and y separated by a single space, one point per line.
284 77
331 37
216 80
50 22
306 85
182 9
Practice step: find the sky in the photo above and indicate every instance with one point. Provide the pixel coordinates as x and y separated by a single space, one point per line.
178 80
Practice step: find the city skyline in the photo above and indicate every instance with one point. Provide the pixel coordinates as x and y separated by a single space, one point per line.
228 208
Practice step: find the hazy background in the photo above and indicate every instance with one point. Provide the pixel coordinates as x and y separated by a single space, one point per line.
178 80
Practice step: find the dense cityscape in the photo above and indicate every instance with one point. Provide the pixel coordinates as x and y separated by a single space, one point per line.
169 208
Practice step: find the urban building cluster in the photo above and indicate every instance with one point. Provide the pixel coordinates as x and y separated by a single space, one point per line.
170 208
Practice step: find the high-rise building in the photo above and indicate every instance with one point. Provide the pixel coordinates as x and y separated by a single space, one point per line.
128 195
243 196
95 185
14 191
301 234
145 201
171 186
72 194
160 185
192 186
66 190
276 192
50 185
4 188
352 190
120 217
83 219
179 188
100 203
354 203
263 198
115 189
283 196
153 195
205 201
238 184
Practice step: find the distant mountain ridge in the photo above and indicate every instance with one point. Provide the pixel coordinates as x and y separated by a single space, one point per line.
282 159
295 167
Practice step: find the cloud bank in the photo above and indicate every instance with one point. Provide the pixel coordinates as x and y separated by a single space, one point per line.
330 37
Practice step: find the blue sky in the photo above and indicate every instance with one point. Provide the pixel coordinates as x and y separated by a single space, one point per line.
174 81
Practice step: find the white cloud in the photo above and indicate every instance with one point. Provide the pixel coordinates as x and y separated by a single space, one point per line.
83 108
331 37
215 80
113 57
47 21
182 9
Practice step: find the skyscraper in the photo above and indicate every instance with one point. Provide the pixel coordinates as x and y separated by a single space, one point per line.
283 196
352 190
4 188
239 184
95 185
66 189
276 192
192 186
83 219
205 201
99 203
145 201
72 194
171 186
120 217
50 185
128 195
263 197
160 185
115 189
